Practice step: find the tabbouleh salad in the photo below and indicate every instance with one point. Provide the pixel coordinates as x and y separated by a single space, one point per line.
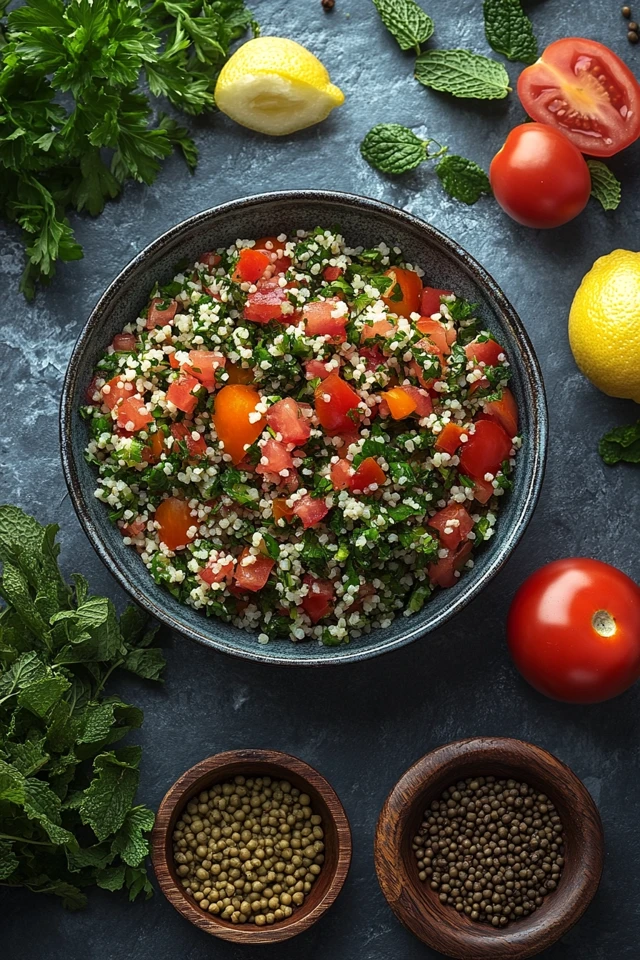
302 439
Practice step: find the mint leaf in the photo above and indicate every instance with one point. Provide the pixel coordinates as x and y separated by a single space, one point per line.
8 859
111 878
405 21
509 31
40 695
110 795
463 179
462 74
621 445
605 186
146 663
392 148
130 842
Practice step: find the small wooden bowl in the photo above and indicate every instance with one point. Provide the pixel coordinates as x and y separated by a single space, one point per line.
254 763
417 906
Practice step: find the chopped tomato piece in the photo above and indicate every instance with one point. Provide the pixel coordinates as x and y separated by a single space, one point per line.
486 352
374 357
319 321
174 518
331 274
210 259
381 328
436 332
174 362
116 390
482 490
318 602
266 303
161 312
282 262
287 419
400 402
369 473
180 393
280 510
217 571
485 450
238 374
203 364
310 510
124 342
133 529
341 473
275 458
250 266
453 523
254 575
430 300
336 405
184 431
133 411
443 573
92 390
403 296
427 346
155 447
234 403
422 400
503 411
449 438
316 368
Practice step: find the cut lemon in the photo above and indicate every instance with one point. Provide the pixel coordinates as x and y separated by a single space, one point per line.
276 86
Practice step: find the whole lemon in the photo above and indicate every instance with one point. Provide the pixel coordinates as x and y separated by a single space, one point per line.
604 324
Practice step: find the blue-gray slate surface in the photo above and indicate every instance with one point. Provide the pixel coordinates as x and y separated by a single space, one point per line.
362 725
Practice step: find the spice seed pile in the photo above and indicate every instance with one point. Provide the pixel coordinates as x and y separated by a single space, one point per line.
249 850
493 849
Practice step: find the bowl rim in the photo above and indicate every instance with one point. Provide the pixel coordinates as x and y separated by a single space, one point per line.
215 768
430 775
409 632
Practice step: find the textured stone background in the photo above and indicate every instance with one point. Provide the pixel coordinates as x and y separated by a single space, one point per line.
364 724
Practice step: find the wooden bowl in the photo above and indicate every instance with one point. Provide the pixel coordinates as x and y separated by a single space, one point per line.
417 906
325 802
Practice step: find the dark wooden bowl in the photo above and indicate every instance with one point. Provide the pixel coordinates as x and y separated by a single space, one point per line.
225 766
417 906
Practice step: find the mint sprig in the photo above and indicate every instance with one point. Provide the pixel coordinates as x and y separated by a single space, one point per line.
67 814
509 30
405 21
462 74
605 186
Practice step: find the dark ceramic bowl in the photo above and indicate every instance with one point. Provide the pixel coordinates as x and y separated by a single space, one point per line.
362 221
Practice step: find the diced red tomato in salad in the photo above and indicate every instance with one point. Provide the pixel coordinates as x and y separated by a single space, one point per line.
155 448
281 510
116 390
368 474
443 572
180 393
217 571
277 458
316 368
319 321
482 490
254 575
453 524
210 259
184 431
430 300
311 510
422 400
341 473
436 332
124 342
485 450
266 303
133 414
203 365
318 602
282 262
161 312
449 438
251 265
336 405
381 328
331 274
487 352
403 296
133 529
503 411
287 418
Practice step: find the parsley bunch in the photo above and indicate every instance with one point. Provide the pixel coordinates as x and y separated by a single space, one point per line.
74 125
67 813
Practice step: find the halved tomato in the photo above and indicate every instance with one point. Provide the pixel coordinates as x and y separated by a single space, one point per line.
453 524
184 431
250 266
341 473
448 439
311 510
403 296
161 312
180 393
430 300
253 576
276 456
485 450
320 322
318 602
174 518
287 419
336 405
368 474
586 91
266 303
133 411
503 411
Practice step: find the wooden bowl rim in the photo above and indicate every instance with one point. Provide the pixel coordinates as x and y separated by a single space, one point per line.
178 794
526 937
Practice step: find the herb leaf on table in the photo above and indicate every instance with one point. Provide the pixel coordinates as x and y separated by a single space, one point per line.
509 30
605 186
463 179
406 21
67 814
392 148
462 74
621 445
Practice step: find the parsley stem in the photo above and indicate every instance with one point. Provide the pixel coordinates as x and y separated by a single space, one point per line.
36 843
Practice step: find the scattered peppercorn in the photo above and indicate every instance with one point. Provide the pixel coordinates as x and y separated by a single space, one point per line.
328 5
492 849
249 850
626 12
633 36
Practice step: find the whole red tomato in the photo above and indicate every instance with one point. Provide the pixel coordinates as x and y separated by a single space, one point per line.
539 178
574 630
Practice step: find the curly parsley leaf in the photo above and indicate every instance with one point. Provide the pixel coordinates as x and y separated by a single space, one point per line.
463 179
392 148
621 445
605 186
406 22
509 30
462 74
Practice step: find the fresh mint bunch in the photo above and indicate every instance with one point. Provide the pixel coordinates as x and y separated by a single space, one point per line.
509 30
605 186
68 818
74 122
